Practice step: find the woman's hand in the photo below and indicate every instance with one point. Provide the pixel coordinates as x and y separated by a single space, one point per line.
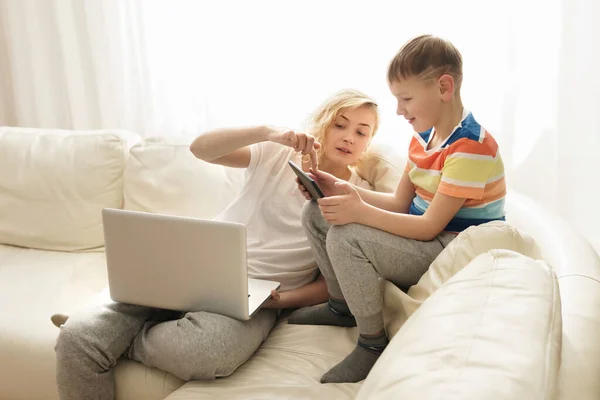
275 301
344 208
308 295
299 141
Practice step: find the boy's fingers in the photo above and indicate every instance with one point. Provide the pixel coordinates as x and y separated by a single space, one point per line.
318 173
345 186
330 201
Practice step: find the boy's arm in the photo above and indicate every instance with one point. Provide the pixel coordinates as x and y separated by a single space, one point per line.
420 227
307 295
398 202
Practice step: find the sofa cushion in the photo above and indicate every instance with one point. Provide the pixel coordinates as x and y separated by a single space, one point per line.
475 240
383 167
288 365
577 266
135 381
163 176
492 331
54 184
35 284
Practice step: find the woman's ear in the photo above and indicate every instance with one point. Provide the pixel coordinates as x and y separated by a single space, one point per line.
446 86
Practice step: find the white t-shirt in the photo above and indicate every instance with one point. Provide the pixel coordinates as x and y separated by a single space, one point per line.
270 205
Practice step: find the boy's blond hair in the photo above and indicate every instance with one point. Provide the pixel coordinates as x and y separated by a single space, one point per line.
324 116
426 57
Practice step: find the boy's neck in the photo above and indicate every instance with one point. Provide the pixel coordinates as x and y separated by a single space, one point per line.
338 171
451 117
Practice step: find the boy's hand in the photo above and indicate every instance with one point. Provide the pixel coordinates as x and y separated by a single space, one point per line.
344 208
326 182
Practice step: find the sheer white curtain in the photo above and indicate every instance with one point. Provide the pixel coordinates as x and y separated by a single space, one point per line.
175 67
74 64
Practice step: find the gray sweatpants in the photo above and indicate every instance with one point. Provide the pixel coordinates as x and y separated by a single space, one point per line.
198 345
354 257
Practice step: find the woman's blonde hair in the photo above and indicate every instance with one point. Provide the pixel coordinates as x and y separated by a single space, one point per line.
324 116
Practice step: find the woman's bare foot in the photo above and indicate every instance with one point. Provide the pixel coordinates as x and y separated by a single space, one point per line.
59 319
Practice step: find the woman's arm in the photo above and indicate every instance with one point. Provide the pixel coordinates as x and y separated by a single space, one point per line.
230 146
307 295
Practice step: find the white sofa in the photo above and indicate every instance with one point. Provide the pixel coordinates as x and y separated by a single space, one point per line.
498 326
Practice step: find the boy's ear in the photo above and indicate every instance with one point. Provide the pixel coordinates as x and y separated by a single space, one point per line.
446 86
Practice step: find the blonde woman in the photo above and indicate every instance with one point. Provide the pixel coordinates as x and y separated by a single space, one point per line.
201 345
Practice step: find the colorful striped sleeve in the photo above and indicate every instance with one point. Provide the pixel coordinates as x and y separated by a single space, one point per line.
467 169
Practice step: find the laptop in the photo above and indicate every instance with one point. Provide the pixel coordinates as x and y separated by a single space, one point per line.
181 263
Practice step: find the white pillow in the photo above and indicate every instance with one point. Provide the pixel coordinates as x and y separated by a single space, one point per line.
470 243
163 176
55 183
382 168
493 331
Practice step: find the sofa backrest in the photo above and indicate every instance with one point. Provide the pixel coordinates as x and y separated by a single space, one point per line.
163 176
54 184
384 166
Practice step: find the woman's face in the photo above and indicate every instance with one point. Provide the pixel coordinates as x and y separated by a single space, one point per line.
349 136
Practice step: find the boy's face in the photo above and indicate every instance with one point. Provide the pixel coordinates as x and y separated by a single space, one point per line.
419 101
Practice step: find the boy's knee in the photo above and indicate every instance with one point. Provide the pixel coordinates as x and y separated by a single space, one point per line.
343 235
311 213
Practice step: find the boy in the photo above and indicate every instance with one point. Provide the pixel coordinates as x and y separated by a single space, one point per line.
454 178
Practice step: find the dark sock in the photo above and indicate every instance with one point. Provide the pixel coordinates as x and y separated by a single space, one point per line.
357 365
334 312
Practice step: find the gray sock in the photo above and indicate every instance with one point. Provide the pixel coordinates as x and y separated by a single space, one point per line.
357 365
334 312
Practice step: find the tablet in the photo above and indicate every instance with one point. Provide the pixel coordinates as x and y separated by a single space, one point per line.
307 181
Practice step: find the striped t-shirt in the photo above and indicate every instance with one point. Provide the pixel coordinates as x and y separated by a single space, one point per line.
467 165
